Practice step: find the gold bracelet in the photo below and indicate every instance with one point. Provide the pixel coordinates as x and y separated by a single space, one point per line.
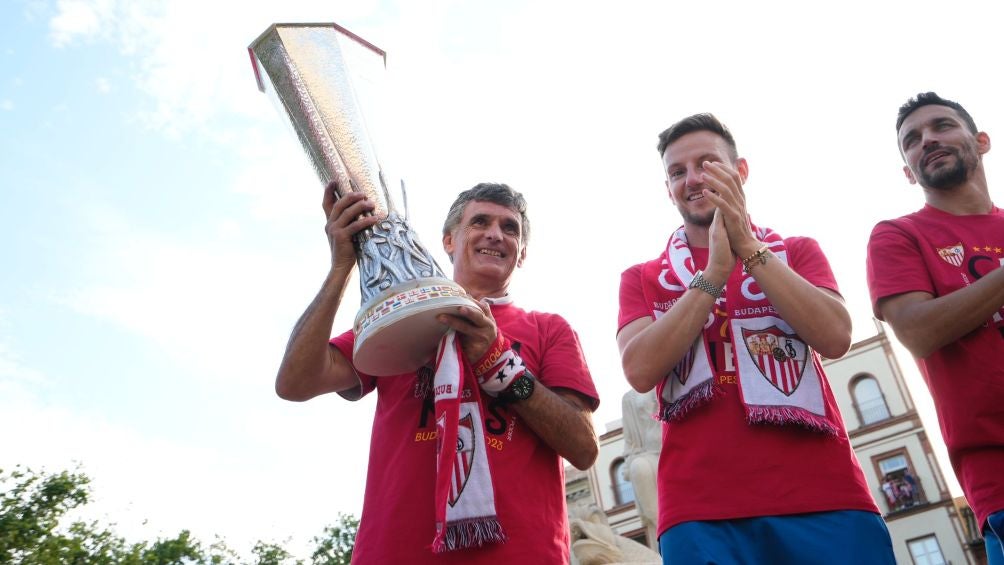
758 258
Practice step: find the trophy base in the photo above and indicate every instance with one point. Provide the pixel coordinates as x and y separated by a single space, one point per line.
397 332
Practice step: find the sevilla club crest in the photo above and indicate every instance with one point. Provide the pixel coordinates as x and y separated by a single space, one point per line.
465 458
682 369
780 356
953 254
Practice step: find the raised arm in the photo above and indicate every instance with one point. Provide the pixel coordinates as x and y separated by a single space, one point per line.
925 324
816 314
651 348
311 365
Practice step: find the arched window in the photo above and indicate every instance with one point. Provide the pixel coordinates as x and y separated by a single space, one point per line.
869 400
623 491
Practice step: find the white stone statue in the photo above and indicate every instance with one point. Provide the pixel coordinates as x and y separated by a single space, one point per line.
595 543
642 445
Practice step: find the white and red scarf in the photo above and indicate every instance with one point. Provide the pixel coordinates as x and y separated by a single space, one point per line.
464 497
778 374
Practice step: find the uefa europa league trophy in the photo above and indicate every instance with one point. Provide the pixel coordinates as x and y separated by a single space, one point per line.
403 289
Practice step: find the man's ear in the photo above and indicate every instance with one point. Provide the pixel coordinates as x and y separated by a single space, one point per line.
744 169
909 175
522 256
982 142
448 246
668 191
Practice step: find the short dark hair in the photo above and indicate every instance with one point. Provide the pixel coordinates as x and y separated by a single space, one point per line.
697 122
927 99
497 193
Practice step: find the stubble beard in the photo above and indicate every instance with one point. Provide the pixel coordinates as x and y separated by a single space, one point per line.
947 178
700 220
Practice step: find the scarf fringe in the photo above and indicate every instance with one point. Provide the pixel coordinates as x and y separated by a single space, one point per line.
698 396
469 533
781 415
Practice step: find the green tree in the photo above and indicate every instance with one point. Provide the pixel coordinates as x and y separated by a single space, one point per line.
182 549
33 504
334 546
272 554
30 509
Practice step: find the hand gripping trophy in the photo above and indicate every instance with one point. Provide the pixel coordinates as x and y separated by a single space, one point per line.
403 289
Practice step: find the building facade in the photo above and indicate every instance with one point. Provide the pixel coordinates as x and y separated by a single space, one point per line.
928 526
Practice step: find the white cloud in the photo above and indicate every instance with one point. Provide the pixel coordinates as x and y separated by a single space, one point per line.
12 371
278 179
224 287
190 54
102 84
6 104
36 10
189 298
81 19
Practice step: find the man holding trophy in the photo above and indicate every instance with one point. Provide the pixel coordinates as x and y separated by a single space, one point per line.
468 437
508 463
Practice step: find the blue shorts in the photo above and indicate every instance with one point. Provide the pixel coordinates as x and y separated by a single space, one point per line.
842 537
992 534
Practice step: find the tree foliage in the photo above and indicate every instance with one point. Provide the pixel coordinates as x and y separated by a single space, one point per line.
334 546
30 511
32 532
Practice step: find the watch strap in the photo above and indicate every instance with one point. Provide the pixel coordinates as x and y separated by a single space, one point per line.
701 283
520 389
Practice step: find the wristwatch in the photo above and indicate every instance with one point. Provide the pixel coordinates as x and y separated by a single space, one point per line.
700 283
519 389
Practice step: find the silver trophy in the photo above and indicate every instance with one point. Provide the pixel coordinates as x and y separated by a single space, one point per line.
304 67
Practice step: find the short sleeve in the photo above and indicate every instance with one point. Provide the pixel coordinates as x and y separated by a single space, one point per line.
632 298
808 260
367 383
562 363
894 265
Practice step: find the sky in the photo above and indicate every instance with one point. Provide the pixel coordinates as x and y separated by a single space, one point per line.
162 229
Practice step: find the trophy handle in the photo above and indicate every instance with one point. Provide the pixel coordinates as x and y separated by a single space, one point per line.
404 200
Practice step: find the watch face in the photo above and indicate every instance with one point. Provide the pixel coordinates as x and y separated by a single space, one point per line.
522 388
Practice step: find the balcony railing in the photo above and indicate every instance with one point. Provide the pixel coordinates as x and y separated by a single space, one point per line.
902 491
873 410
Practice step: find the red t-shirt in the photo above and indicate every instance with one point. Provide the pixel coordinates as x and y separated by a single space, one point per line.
716 466
938 253
397 523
